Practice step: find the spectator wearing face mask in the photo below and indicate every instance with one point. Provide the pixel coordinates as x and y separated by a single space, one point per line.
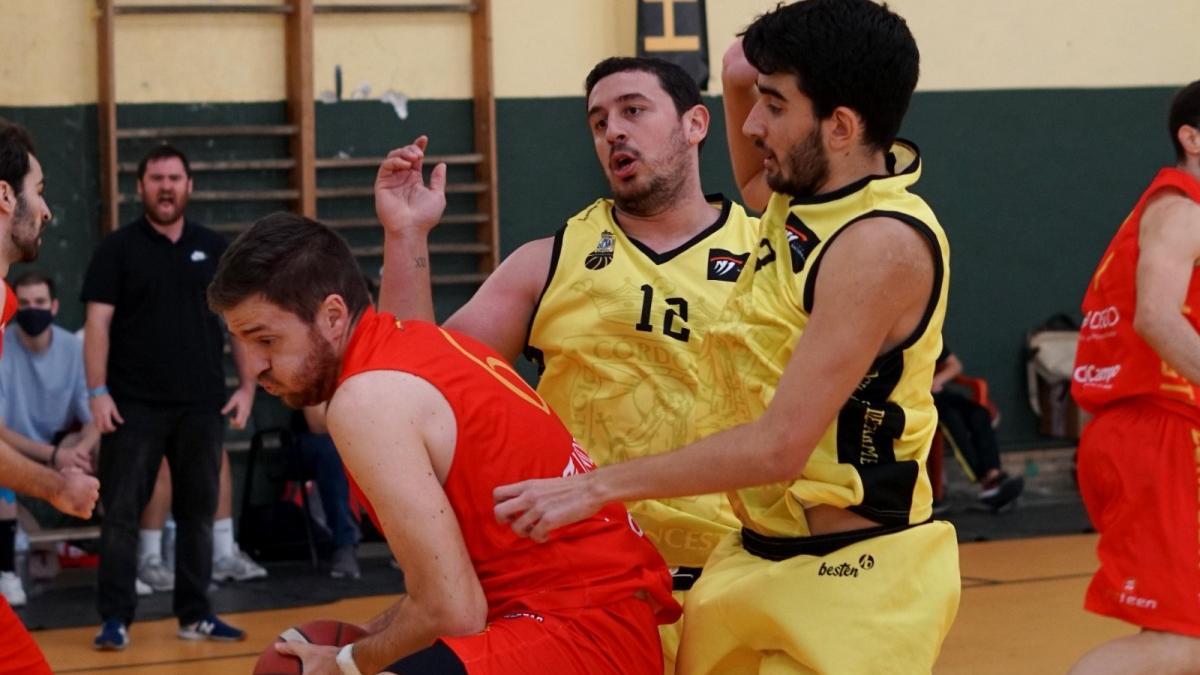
43 403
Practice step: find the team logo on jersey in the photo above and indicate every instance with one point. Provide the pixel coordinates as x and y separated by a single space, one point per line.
600 258
725 266
801 242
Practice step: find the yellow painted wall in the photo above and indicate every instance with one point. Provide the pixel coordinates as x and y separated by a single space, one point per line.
545 48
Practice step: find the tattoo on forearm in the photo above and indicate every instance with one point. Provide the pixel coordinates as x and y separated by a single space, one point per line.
421 263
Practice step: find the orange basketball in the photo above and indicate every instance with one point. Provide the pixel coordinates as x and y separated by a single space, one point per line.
320 632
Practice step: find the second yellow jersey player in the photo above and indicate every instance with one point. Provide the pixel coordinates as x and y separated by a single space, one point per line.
895 586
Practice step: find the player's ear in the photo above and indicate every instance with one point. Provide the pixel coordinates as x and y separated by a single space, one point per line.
8 197
695 124
333 316
1189 138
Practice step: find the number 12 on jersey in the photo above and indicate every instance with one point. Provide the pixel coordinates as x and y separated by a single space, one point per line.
676 310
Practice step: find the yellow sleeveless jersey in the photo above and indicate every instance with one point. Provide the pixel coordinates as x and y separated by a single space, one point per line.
871 460
620 334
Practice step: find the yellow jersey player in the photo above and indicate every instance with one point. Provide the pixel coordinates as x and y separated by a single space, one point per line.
838 568
616 306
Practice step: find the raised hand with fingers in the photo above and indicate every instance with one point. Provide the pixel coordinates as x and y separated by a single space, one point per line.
404 204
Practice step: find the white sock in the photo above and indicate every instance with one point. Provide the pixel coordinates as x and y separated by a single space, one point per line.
222 538
149 545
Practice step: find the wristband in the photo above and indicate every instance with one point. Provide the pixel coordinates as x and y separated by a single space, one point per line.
53 455
97 392
345 661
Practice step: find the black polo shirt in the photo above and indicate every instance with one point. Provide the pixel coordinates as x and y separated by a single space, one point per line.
165 346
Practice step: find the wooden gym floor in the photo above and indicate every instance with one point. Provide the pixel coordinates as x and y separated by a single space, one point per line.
1021 612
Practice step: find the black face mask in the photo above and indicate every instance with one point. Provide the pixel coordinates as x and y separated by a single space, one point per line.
34 321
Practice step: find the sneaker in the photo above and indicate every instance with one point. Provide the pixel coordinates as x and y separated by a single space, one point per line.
1001 491
941 507
113 636
237 567
142 588
211 628
11 589
154 574
344 564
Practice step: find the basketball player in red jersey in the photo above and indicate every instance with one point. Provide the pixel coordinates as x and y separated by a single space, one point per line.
1137 370
429 422
23 217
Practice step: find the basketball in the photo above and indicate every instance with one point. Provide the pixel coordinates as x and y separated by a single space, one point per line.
320 632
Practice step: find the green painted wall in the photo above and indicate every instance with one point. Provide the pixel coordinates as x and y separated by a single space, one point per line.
1029 184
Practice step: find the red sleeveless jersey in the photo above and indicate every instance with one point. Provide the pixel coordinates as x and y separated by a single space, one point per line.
1113 363
506 434
10 310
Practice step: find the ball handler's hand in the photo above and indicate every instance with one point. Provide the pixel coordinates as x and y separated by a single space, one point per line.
316 659
403 202
534 508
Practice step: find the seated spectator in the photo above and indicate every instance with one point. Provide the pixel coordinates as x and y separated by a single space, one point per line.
968 430
156 557
321 459
43 394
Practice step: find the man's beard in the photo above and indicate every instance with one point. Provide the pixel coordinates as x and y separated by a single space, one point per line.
151 209
663 189
25 221
808 168
319 375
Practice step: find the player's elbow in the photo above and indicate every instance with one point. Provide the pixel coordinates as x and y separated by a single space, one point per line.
463 613
782 447
1150 323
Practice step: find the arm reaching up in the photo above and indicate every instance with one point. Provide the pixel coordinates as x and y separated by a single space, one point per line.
739 80
408 209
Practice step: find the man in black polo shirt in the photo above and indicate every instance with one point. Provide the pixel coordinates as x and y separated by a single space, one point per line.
153 355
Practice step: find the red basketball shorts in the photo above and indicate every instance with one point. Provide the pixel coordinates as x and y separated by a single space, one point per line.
615 639
1139 472
19 654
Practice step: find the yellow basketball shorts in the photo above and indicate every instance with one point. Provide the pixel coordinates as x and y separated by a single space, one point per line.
882 604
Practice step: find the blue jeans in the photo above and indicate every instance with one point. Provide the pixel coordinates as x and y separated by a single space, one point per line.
320 457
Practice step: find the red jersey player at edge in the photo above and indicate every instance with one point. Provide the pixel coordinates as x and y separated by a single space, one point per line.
429 422
23 218
1137 369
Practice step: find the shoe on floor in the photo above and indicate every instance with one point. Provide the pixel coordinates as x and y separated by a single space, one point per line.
344 564
11 589
113 636
1001 491
211 628
237 567
154 574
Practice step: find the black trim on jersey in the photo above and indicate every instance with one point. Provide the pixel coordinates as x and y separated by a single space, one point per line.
660 258
939 271
530 352
683 578
857 185
782 548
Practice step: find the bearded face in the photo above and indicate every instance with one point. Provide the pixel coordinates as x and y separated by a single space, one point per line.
27 228
164 188
312 382
803 171
665 177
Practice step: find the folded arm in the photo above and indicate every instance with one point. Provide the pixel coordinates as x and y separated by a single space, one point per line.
386 425
739 84
1170 248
